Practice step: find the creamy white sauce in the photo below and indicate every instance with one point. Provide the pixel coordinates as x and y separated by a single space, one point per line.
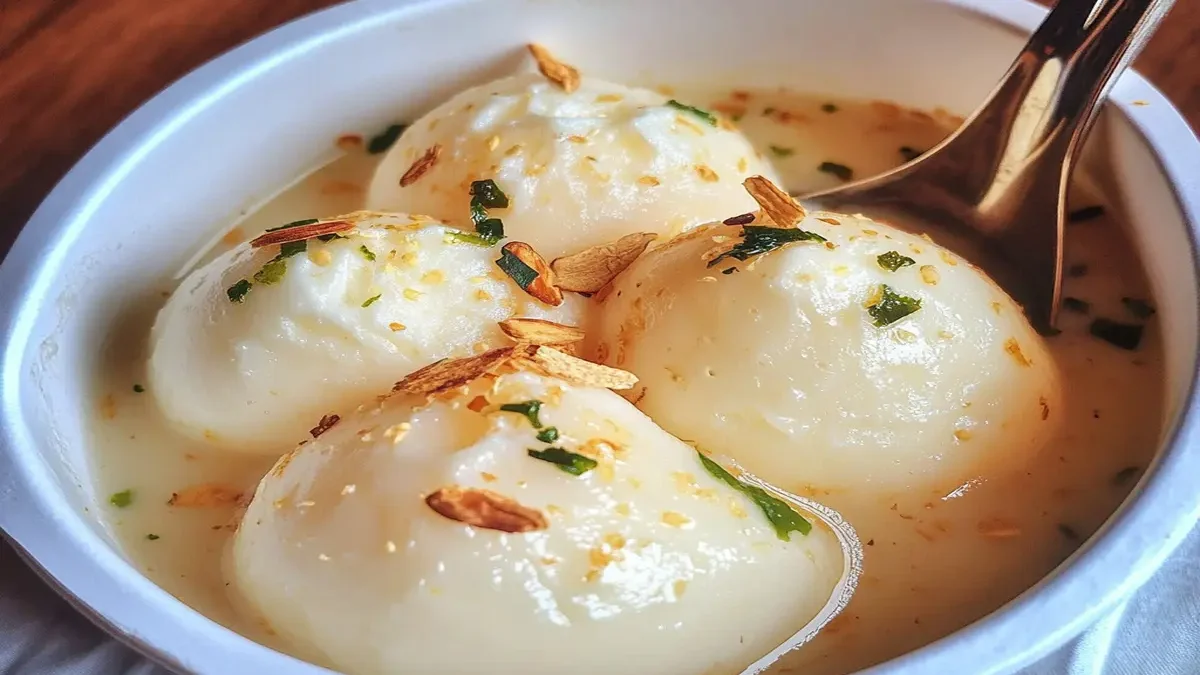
933 562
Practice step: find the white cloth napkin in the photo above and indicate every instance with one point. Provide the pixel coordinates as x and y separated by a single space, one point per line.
1157 632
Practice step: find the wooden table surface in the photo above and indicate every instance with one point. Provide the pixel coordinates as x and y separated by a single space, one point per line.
71 69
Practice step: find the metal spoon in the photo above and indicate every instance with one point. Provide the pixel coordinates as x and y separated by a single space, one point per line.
1003 176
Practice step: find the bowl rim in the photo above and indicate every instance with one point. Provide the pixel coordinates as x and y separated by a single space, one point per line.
99 580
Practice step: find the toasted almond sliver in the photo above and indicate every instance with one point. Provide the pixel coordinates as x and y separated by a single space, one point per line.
777 204
423 164
555 363
544 287
327 422
554 70
540 331
205 495
301 233
591 269
486 509
444 375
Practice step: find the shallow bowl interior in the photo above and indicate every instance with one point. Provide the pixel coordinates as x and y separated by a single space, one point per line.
123 223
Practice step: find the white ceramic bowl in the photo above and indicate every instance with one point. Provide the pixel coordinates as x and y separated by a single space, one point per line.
227 136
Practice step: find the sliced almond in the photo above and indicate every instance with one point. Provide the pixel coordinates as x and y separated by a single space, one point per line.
327 422
483 508
205 495
540 331
544 287
446 375
777 204
423 164
593 268
566 77
288 235
555 363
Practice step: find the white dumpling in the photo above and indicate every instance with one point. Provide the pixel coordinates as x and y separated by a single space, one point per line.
343 320
644 562
778 361
579 169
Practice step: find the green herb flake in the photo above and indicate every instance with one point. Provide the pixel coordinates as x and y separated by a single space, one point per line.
153 537
759 239
385 139
529 409
121 499
1125 475
783 518
291 248
571 462
1085 213
488 195
478 212
1123 335
295 223
272 272
237 292
768 111
909 153
729 270
371 300
702 114
367 253
1076 305
829 108
138 389
1139 308
892 261
548 435
330 237
519 272
842 171
890 307
780 151
491 229
468 238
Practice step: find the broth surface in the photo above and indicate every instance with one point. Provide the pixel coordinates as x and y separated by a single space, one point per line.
934 562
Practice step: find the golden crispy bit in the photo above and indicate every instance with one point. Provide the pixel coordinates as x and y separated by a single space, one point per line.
290 234
445 375
777 204
544 286
566 77
324 425
205 495
540 331
592 268
486 509
554 363
423 164
1014 350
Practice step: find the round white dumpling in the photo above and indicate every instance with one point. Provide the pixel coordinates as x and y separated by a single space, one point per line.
579 169
808 365
251 350
427 538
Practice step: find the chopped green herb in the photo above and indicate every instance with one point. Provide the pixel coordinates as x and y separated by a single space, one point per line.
759 239
520 272
779 151
1085 213
829 108
330 237
385 139
571 462
909 154
121 499
1076 305
238 291
702 114
138 389
548 435
1068 532
272 272
295 223
891 307
491 229
768 111
468 238
1123 335
371 300
729 270
1124 475
1077 271
488 195
367 253
478 212
291 248
783 518
529 409
840 170
892 261
153 537
1139 308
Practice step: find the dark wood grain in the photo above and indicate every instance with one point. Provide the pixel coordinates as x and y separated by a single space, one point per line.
71 69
